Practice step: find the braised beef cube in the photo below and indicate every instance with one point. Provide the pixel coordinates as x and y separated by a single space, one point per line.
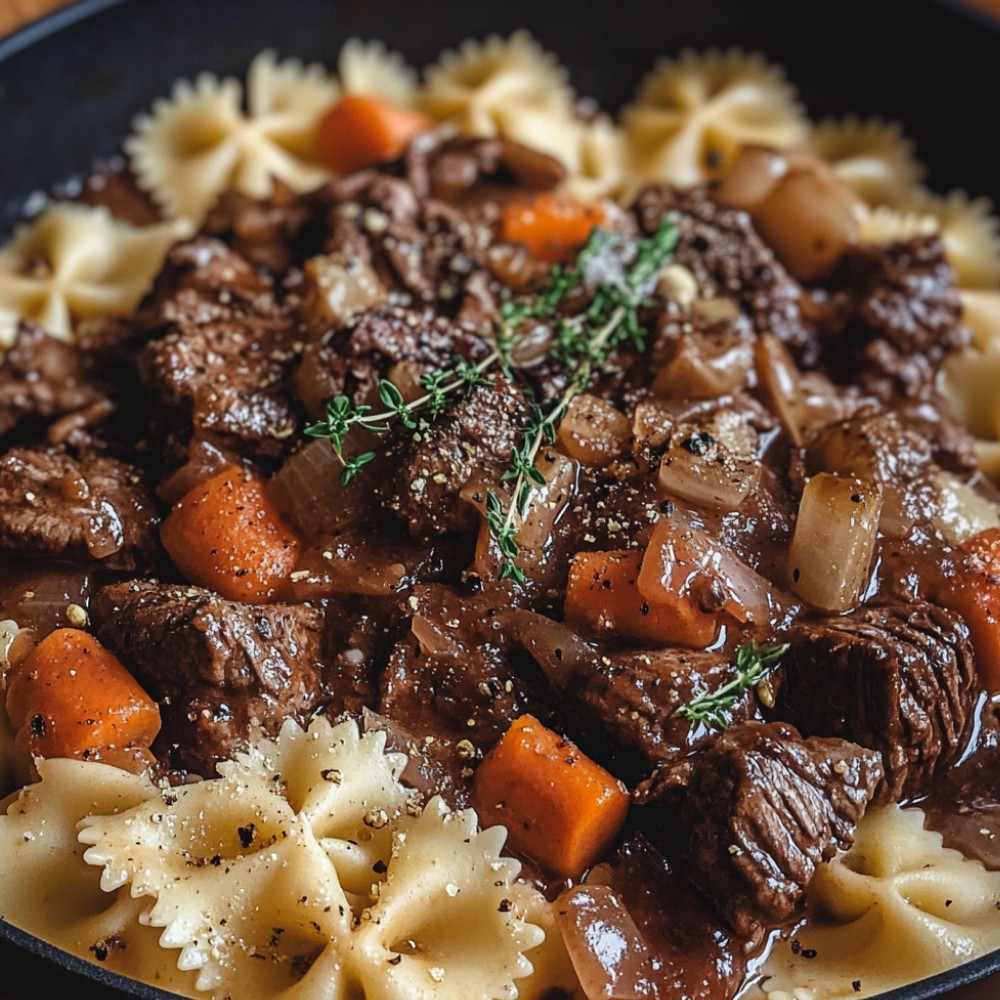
894 316
42 378
472 440
763 808
275 233
624 702
220 670
453 666
92 508
729 260
421 247
224 381
899 680
204 281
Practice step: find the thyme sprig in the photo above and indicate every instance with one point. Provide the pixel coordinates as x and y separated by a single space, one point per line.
753 662
614 276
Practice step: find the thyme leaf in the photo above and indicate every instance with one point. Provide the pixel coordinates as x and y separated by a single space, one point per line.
753 662
615 276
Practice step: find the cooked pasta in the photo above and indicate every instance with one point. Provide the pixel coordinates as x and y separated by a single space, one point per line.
75 262
873 156
201 141
897 907
508 87
369 68
692 115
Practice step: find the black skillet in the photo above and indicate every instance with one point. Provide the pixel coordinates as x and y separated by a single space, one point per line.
70 84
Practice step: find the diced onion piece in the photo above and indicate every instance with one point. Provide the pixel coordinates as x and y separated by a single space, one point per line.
593 431
962 511
546 504
338 288
708 365
685 566
308 491
608 952
807 214
781 384
698 467
752 178
834 540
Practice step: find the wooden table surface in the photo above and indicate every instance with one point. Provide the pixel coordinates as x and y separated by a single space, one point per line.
15 14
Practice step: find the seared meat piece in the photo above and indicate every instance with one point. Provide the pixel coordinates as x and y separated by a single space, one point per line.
450 168
43 378
763 808
899 680
418 246
220 371
898 313
94 507
472 440
455 665
202 281
220 670
624 702
728 259
352 361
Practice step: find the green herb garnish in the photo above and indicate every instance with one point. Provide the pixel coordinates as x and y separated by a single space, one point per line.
752 664
615 276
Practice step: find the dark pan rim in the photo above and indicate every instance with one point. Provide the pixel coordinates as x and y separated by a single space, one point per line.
926 989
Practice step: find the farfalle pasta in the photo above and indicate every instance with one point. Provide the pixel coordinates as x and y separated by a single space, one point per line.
304 869
201 141
897 906
693 114
873 156
75 262
508 87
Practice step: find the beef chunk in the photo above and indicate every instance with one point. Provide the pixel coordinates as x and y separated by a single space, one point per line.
94 507
275 233
453 666
421 247
899 680
221 369
763 808
452 168
350 362
897 314
729 260
220 670
624 702
473 438
43 378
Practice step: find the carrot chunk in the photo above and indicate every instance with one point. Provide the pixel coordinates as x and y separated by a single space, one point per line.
975 594
71 697
604 594
227 536
560 808
552 226
361 130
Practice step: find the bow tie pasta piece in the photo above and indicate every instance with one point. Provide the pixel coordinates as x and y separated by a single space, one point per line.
895 908
601 168
693 114
449 922
887 225
369 68
508 87
75 262
344 787
47 889
201 141
873 156
970 232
